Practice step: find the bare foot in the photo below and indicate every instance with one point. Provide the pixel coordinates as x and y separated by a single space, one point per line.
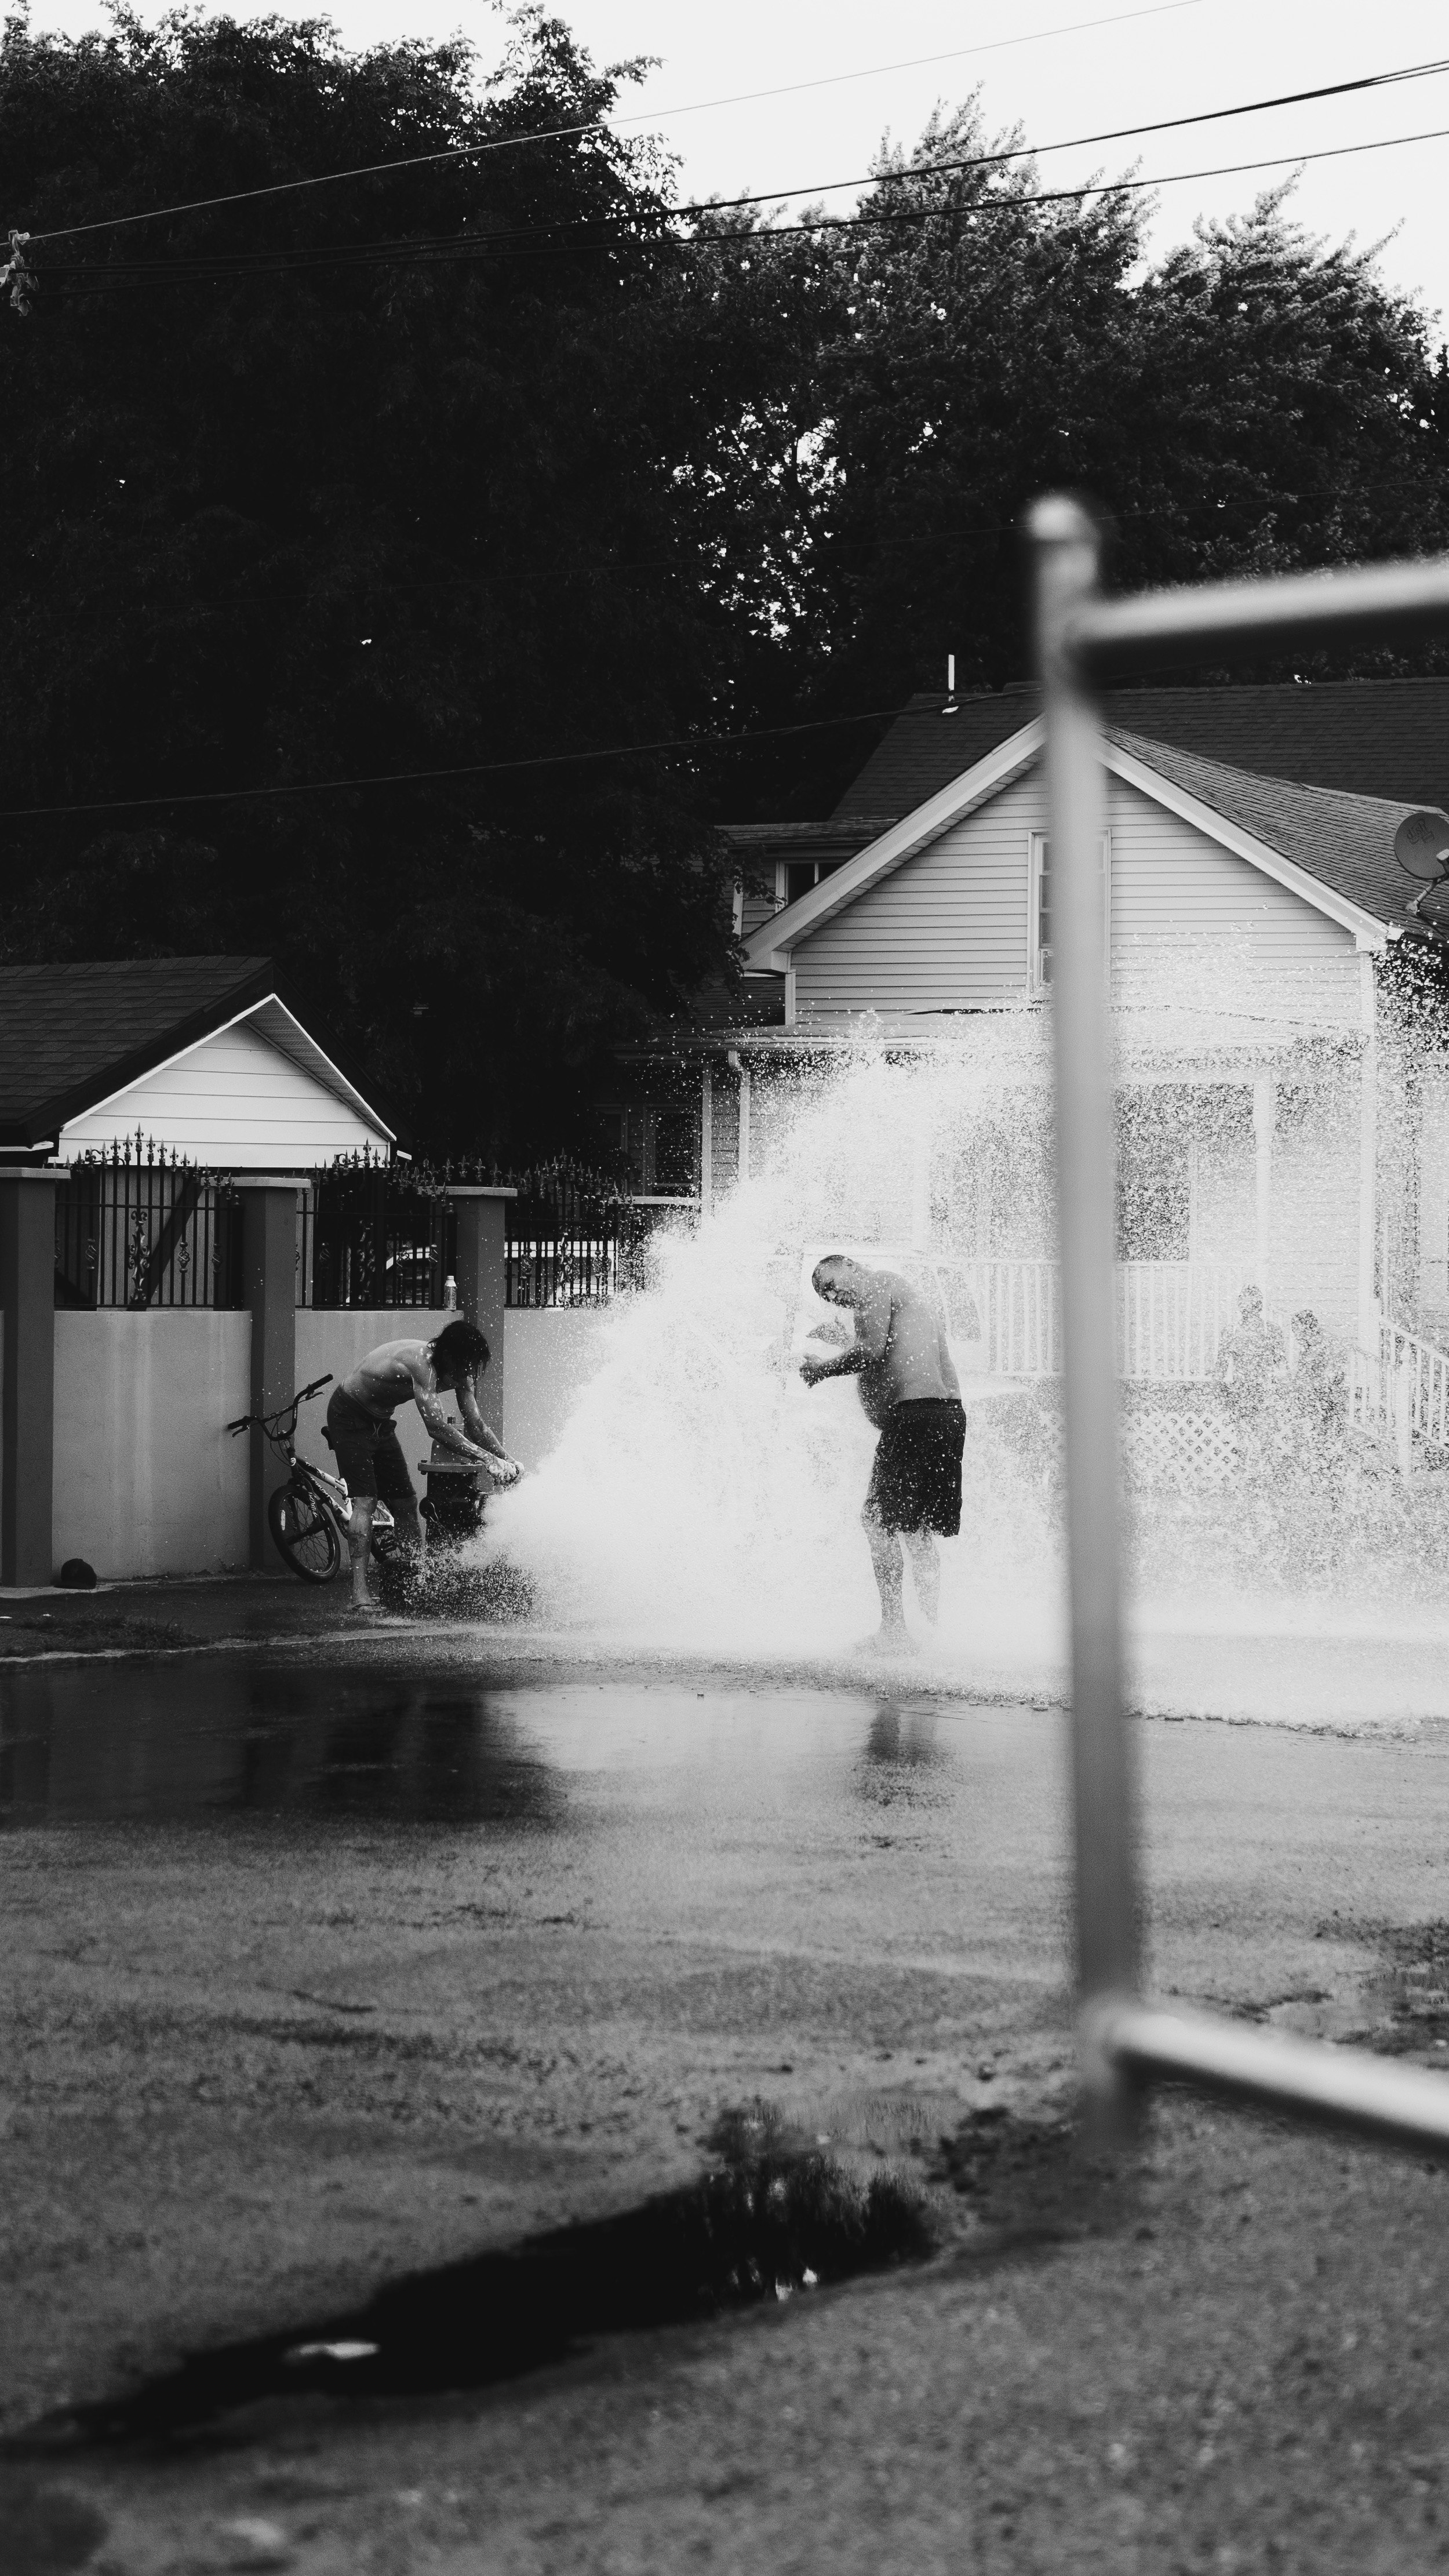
889 1641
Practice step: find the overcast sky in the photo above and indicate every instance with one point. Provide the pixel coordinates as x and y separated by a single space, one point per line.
1162 62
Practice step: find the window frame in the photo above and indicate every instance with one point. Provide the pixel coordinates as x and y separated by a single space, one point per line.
1038 845
823 868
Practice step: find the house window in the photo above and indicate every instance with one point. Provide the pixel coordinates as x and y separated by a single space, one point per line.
1041 920
676 1151
794 877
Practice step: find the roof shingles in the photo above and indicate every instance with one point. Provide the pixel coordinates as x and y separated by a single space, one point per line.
72 1034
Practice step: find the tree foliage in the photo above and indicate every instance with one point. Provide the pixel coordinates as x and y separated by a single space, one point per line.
1259 400
294 497
494 460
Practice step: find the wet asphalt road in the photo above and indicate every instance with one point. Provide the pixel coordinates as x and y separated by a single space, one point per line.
322 1967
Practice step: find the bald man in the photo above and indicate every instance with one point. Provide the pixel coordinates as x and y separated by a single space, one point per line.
910 1390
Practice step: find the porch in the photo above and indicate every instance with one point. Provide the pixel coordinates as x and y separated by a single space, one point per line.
1005 1316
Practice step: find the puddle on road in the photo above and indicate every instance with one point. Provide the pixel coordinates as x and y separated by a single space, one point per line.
767 2222
230 1737
170 1742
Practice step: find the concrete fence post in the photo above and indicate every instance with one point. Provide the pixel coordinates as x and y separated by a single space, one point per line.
482 1214
269 1269
27 1382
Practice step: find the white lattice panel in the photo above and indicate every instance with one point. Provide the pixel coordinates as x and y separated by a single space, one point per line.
1197 1452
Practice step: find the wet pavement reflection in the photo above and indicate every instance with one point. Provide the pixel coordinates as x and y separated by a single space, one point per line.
167 1742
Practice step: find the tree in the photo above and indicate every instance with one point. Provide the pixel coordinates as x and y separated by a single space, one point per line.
1257 401
390 475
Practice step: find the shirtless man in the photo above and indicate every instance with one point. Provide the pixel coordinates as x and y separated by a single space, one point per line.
365 1441
909 1388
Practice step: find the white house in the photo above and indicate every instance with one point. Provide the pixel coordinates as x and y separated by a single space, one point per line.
209 1057
1274 1123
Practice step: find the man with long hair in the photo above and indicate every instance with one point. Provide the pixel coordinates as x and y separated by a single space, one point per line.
364 1437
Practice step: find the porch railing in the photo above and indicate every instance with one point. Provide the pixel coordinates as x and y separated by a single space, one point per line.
1171 1316
1402 1389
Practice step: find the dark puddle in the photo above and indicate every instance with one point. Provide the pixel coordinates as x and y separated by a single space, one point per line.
167 1743
764 2224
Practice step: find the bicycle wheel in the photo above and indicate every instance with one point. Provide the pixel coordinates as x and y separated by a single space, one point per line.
306 1535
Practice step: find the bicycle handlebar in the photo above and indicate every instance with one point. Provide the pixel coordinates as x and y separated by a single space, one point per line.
244 1421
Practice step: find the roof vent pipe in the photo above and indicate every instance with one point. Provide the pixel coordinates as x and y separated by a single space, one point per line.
951 706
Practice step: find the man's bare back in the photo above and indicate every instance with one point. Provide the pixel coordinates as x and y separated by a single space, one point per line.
393 1373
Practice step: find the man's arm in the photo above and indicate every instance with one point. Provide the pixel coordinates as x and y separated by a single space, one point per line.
508 1469
872 1333
446 1433
476 1426
435 1420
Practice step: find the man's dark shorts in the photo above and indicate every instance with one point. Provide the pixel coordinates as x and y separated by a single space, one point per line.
915 1483
368 1452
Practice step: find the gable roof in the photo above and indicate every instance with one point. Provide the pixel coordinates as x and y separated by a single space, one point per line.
1346 841
1334 851
1375 738
72 1036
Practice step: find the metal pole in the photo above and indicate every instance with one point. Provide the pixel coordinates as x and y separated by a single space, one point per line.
1343 2087
1331 612
1065 546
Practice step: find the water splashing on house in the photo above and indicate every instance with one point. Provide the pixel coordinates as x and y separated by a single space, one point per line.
701 1499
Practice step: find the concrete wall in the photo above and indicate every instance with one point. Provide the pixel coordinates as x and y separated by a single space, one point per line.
549 1355
147 1479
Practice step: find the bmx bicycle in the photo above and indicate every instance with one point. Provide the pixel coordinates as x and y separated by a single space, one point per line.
308 1514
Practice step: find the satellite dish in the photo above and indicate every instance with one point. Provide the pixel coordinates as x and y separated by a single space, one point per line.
1421 846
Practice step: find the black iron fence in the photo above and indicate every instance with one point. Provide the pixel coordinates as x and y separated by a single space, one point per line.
136 1226
375 1234
574 1239
379 1234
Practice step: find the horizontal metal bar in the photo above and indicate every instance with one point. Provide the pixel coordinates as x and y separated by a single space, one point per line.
1344 2088
1109 639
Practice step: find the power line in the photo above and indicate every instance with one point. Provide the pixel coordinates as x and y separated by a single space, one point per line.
445 249
464 769
605 125
1079 142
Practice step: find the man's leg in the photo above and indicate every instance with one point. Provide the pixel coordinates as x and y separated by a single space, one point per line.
888 1566
925 1559
395 1486
359 1548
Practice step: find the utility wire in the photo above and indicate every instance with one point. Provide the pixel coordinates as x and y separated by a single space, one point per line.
693 743
445 249
603 124
1079 142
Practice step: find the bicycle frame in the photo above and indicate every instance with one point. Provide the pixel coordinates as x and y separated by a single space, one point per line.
279 1429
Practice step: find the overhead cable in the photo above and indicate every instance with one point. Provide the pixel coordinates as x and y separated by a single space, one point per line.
691 743
443 249
606 124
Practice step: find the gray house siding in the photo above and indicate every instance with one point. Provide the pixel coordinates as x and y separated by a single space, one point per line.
949 929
